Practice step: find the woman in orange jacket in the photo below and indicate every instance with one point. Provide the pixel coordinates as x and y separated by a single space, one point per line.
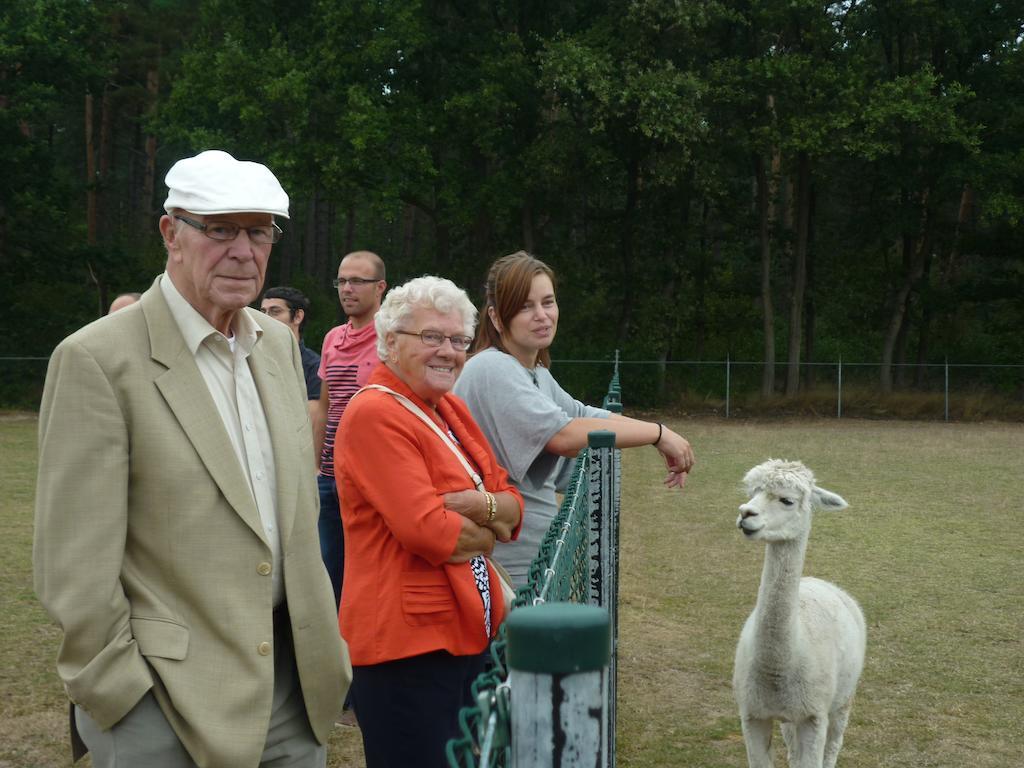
420 601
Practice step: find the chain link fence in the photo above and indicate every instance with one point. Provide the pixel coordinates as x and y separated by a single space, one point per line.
840 389
577 562
731 388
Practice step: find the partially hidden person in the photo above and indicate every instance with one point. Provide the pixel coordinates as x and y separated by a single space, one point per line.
123 300
291 306
348 356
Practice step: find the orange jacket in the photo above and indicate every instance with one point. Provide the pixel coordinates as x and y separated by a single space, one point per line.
400 597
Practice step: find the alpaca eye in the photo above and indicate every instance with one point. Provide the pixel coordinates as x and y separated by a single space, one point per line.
786 502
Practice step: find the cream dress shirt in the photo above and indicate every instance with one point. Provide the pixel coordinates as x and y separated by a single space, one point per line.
223 363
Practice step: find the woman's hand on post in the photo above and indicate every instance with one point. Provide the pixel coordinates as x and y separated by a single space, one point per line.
678 455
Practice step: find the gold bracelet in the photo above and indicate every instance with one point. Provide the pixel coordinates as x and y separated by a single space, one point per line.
492 507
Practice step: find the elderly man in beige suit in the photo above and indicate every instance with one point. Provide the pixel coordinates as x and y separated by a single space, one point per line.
176 512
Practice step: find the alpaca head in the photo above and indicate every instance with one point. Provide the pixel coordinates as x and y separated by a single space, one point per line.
782 495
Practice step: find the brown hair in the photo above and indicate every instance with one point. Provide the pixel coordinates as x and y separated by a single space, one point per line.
508 284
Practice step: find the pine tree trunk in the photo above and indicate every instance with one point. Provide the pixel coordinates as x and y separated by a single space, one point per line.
796 308
626 249
350 228
924 332
105 225
700 282
767 307
529 244
913 267
946 270
90 174
810 315
149 171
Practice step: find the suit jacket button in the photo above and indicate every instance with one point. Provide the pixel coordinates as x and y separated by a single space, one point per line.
264 569
264 649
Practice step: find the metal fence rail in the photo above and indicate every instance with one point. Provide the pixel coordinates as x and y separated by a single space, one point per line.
840 388
577 562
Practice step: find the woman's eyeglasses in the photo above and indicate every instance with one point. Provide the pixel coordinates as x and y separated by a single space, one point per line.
436 339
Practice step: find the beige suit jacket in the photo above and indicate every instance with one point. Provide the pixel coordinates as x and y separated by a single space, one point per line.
149 551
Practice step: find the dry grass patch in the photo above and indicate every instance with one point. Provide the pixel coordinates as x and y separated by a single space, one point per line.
930 547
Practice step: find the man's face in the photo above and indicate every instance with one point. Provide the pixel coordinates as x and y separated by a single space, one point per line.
279 310
216 277
359 301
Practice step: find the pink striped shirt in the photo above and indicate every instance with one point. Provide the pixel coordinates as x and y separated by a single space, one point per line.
349 356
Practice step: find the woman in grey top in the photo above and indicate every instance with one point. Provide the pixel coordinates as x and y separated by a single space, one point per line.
535 426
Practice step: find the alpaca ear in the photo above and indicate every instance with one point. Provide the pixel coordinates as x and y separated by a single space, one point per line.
826 500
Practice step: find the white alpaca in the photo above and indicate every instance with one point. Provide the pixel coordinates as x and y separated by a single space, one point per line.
801 651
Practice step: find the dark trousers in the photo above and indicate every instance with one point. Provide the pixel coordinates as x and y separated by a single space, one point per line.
332 537
409 709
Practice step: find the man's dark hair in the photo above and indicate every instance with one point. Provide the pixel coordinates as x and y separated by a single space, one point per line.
294 298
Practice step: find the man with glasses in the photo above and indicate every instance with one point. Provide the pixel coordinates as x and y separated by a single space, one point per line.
175 540
291 307
348 356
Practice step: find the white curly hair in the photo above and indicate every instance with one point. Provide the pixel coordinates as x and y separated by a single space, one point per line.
426 292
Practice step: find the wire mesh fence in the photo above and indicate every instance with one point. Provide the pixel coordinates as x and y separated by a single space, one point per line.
731 388
577 562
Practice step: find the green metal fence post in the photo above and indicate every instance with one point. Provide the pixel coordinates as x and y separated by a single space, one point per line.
558 654
945 390
613 397
728 383
604 556
839 394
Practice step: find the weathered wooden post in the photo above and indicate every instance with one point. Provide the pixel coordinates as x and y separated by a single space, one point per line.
558 656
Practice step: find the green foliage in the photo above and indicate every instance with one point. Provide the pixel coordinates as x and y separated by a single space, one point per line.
615 139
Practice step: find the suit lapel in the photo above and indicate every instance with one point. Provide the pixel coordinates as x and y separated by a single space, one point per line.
271 383
186 394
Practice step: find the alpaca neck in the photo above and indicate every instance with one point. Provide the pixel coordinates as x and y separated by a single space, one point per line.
778 600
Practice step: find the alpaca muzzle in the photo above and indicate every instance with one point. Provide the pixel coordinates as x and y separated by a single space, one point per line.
747 521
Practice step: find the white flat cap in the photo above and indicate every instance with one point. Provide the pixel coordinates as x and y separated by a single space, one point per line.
214 182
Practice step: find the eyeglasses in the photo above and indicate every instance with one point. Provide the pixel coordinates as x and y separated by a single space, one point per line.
355 282
226 230
436 339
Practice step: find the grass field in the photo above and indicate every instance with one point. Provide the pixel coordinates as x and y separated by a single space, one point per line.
931 547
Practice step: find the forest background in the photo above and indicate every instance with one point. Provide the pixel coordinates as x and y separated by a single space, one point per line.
768 180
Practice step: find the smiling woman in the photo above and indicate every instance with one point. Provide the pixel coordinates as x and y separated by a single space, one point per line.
533 424
420 601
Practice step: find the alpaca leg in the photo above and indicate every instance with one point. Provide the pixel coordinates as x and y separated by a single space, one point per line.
757 735
808 746
834 741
